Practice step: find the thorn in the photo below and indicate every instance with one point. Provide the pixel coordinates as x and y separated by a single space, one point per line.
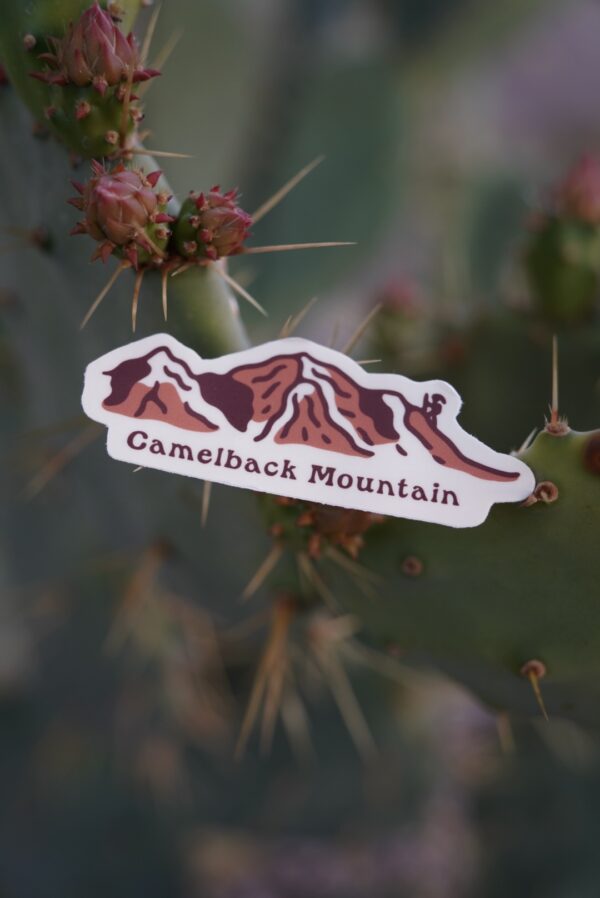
334 333
145 241
526 442
534 670
505 733
139 589
135 298
162 58
145 48
269 678
288 247
369 362
56 464
554 406
164 153
295 722
163 283
293 322
348 705
360 330
206 494
103 293
309 572
182 269
283 191
264 569
239 289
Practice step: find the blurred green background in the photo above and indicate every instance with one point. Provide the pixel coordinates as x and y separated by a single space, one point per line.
126 657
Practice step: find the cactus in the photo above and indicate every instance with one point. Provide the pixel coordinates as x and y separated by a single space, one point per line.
507 609
126 213
211 226
563 256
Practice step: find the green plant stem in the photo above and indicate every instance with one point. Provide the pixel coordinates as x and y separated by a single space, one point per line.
204 314
203 311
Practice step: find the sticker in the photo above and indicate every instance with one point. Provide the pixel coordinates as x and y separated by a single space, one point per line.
300 420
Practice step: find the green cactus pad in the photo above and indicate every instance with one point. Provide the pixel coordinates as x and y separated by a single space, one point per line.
522 586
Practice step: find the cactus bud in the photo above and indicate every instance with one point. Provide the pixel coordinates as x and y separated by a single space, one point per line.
578 196
124 214
563 255
94 52
89 73
211 225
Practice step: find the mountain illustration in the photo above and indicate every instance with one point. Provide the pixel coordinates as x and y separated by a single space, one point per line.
293 398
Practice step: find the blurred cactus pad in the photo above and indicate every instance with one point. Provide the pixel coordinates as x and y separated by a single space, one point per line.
207 692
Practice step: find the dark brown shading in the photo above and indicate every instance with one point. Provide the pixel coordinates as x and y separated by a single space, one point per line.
232 398
312 424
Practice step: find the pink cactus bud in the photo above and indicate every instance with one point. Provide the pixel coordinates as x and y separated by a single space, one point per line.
121 212
94 52
190 247
224 225
579 194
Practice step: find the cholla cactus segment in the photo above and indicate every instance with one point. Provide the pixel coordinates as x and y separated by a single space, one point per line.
211 225
89 76
125 214
93 52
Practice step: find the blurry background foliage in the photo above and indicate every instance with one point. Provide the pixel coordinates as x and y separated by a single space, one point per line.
124 666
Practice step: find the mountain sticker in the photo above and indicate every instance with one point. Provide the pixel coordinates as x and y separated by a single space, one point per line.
297 419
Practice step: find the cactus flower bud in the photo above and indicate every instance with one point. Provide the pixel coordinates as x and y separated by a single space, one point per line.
93 52
562 258
124 214
211 225
579 195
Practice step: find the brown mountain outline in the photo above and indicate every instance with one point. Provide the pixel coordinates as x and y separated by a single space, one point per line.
347 418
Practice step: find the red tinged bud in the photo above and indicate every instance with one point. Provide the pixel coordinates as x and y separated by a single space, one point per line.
123 213
214 223
579 195
94 51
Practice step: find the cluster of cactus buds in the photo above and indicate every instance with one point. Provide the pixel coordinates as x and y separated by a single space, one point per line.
211 225
563 254
125 213
90 71
128 216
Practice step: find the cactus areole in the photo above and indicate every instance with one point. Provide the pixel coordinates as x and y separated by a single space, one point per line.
302 421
